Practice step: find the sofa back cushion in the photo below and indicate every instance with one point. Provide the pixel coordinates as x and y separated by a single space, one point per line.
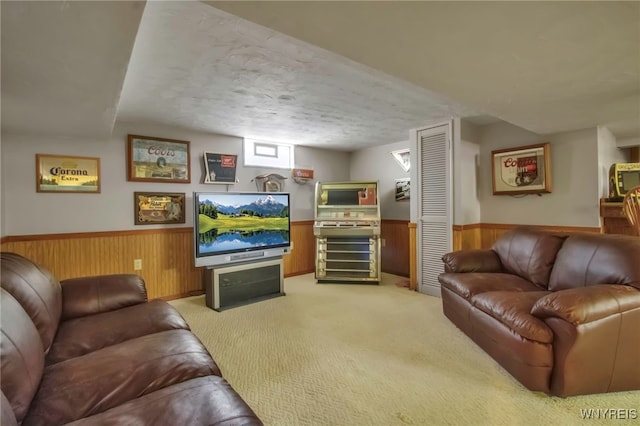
529 253
589 259
36 290
21 356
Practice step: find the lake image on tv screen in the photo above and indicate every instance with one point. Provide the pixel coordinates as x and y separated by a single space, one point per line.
238 222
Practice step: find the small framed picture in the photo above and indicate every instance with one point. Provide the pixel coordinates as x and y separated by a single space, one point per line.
64 173
523 170
220 168
151 159
151 208
402 189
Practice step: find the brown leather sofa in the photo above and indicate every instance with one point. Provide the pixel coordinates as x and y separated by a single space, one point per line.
92 351
561 313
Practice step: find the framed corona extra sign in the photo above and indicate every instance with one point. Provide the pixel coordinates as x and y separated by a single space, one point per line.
62 173
523 170
152 159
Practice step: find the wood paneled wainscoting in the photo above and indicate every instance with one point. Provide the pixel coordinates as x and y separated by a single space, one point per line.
167 256
478 236
302 259
395 251
483 235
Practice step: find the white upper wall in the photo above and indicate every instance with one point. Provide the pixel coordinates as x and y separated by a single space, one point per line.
466 168
608 154
575 156
377 164
2 192
574 200
27 212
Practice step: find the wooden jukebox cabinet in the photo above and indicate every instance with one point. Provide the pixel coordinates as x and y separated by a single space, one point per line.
347 232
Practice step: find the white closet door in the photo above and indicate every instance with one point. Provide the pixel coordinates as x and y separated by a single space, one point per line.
434 205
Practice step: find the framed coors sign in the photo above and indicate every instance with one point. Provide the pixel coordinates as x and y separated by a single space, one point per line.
523 170
151 159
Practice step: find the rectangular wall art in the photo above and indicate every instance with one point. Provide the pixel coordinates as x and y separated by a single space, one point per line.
151 159
63 173
151 208
220 168
523 170
403 189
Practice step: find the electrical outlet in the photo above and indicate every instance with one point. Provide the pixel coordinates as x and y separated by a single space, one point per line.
291 246
384 242
137 264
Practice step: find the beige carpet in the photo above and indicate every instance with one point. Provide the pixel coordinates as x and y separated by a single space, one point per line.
335 354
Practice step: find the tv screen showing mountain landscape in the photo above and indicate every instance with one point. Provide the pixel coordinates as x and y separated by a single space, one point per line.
236 222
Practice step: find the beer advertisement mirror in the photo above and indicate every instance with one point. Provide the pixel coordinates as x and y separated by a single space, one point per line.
152 208
62 173
522 170
151 159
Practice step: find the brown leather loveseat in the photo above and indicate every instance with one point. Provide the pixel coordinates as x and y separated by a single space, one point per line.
561 313
91 351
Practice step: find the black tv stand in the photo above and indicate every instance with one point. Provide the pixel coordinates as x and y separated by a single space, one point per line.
239 284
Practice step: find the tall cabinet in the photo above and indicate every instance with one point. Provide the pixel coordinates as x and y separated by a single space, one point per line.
347 232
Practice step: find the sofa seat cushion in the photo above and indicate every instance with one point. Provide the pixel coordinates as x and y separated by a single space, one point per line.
203 401
103 379
513 309
82 335
472 283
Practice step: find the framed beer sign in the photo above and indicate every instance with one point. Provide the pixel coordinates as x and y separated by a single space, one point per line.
151 159
62 173
220 168
523 170
151 208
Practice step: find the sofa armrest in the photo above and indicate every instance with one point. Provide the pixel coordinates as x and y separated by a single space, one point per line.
596 330
472 261
102 293
587 304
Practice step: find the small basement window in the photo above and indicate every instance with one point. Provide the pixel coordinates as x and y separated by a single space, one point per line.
268 154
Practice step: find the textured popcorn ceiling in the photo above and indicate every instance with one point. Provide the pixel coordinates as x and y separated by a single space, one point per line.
341 75
216 72
544 66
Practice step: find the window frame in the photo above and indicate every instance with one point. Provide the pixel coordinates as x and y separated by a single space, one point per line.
283 157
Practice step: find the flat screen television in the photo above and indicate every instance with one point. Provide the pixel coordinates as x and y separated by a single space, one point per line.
234 227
